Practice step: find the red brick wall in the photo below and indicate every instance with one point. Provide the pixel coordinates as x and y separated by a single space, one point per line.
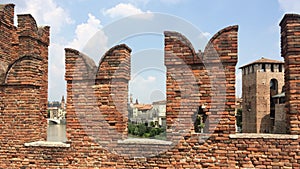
97 98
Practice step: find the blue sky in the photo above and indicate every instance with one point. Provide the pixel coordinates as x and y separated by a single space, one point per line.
74 22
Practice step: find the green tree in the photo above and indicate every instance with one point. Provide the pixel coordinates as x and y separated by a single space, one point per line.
141 129
131 128
152 132
152 124
136 130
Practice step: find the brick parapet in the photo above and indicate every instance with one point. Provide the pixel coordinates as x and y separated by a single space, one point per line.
90 131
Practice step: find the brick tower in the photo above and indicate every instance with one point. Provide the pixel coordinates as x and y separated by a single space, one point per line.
262 79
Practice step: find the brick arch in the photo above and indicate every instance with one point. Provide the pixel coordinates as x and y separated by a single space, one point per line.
27 70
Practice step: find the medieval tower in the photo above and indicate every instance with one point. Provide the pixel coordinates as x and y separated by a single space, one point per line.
262 79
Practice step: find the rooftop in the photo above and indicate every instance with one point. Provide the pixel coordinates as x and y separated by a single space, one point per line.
263 60
143 107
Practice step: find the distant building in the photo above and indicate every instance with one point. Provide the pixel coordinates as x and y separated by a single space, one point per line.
148 113
159 109
57 110
262 79
142 113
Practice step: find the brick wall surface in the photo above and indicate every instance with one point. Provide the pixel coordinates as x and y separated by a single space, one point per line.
97 98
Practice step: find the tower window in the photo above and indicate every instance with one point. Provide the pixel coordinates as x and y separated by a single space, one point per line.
280 68
263 67
272 67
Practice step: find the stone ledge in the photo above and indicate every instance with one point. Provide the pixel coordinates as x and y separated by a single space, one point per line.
47 144
264 136
144 141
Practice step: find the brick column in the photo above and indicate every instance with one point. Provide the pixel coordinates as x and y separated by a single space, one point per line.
290 51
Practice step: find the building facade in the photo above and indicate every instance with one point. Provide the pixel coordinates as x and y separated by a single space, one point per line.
148 113
262 79
57 110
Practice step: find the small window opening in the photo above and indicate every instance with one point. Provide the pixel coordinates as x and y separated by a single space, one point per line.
272 67
263 67
280 67
201 124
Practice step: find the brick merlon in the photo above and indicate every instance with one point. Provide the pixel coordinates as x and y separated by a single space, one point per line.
87 60
74 58
233 28
114 48
289 16
7 14
181 38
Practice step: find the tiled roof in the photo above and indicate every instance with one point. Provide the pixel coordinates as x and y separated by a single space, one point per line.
263 60
143 107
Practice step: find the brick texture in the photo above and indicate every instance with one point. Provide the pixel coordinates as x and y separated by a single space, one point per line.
97 100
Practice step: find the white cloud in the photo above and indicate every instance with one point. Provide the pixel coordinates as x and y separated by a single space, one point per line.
47 12
290 5
123 10
85 31
206 34
83 34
